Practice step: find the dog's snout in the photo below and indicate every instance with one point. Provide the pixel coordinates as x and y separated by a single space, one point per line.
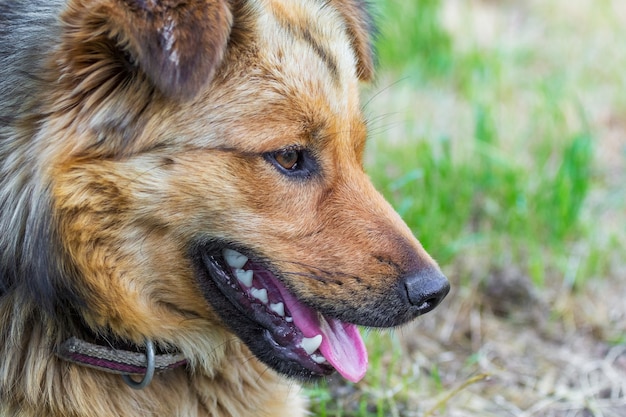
426 289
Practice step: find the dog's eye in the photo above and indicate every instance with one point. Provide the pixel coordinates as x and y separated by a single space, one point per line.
294 161
288 158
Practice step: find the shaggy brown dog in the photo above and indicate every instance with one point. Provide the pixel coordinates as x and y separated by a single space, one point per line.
183 202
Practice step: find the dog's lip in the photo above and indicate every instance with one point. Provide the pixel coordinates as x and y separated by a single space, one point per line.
278 333
292 329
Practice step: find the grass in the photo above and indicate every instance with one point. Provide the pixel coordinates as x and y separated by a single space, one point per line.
502 151
413 37
488 195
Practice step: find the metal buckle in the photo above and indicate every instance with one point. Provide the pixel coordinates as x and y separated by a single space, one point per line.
147 377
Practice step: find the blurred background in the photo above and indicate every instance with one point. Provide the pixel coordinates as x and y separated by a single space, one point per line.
498 132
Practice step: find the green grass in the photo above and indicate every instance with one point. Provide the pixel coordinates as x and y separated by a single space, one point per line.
519 188
384 390
487 195
411 35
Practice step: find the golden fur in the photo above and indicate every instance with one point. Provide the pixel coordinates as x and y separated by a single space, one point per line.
130 132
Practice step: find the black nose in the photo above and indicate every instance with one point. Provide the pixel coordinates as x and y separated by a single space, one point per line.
426 289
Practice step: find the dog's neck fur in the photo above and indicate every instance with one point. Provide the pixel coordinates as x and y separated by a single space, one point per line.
31 373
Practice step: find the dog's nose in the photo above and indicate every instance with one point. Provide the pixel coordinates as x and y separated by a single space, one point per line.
426 289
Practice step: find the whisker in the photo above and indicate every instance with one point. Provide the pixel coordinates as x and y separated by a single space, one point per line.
382 90
316 273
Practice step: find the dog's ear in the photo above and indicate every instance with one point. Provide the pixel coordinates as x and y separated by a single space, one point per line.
178 44
360 29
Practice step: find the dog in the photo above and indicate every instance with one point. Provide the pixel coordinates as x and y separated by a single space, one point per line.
186 225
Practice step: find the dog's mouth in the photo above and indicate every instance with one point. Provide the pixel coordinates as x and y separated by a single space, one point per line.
279 329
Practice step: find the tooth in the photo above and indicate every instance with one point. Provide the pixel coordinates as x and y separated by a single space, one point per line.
245 277
234 259
288 319
278 308
318 359
311 344
260 295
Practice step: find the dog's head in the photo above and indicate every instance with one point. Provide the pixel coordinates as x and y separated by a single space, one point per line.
205 168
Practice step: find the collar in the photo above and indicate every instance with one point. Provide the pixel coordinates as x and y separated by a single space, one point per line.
140 361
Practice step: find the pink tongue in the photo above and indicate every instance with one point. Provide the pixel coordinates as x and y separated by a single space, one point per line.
342 345
343 348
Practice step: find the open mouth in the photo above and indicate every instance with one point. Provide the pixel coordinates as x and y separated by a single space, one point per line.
280 330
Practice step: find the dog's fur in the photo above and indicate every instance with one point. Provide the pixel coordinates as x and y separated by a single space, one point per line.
138 135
